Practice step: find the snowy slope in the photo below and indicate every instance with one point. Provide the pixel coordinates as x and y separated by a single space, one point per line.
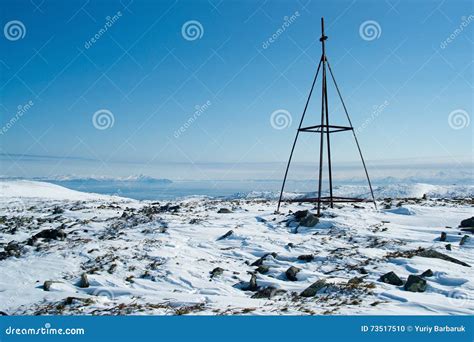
32 189
157 258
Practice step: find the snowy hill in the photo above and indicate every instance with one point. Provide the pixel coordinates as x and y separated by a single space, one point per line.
67 252
32 189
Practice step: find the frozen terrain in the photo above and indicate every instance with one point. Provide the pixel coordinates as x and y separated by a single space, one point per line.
68 252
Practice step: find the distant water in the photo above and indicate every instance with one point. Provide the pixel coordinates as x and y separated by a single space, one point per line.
169 190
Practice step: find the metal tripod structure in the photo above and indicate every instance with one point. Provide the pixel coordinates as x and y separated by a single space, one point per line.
325 129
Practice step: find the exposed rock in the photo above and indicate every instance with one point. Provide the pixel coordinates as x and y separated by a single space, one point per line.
426 253
259 261
464 239
429 253
13 248
248 286
268 292
300 214
309 220
77 300
448 247
84 282
3 255
355 280
169 208
469 222
363 271
216 272
415 284
226 235
47 285
427 273
57 210
292 272
443 236
391 278
49 234
313 289
262 269
224 211
252 283
303 218
468 229
306 257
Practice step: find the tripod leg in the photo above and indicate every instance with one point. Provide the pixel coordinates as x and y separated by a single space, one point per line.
327 136
297 133
355 136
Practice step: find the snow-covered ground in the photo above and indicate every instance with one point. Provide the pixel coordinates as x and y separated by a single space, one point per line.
191 257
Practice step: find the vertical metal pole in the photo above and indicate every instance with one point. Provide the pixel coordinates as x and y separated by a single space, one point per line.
321 140
296 137
325 87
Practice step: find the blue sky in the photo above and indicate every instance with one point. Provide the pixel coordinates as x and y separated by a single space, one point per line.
403 84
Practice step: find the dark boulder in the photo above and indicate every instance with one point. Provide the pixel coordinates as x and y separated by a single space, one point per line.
443 236
13 248
306 257
57 210
226 235
262 269
84 281
300 214
169 208
415 284
309 220
268 292
48 234
224 211
427 273
313 289
468 229
464 239
355 281
469 222
252 283
292 272
391 278
216 272
47 285
259 261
